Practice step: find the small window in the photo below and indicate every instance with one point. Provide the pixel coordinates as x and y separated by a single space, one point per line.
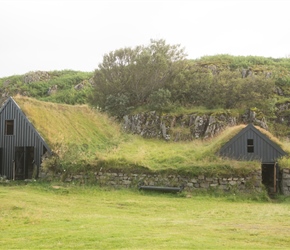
250 146
9 127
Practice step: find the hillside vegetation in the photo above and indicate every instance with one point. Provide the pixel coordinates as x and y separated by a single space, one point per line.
155 77
159 77
67 86
85 139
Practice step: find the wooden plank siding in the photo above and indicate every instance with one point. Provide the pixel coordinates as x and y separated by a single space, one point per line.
24 135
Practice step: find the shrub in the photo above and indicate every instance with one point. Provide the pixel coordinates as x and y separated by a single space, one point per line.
160 100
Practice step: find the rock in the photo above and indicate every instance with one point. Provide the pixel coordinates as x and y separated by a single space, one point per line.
52 90
251 117
249 72
286 191
126 182
163 131
204 185
177 128
213 69
222 187
199 126
244 73
84 84
268 74
193 180
36 77
279 91
286 176
79 86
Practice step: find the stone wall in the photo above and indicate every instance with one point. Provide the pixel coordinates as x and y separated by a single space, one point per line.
133 180
285 181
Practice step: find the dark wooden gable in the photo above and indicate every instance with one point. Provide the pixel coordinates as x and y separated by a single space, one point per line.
18 136
251 144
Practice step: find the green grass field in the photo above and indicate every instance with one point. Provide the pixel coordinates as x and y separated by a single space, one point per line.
43 216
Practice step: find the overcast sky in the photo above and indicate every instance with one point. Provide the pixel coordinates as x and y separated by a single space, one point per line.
63 34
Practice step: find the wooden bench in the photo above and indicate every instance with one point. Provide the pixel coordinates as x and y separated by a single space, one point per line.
161 189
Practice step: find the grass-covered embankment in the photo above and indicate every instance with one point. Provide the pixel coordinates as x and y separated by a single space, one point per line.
85 139
195 157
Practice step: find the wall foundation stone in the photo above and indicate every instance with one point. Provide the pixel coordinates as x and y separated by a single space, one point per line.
189 183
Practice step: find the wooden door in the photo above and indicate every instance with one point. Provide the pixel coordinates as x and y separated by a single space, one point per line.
24 162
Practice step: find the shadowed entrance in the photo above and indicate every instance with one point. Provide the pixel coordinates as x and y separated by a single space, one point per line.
270 176
24 159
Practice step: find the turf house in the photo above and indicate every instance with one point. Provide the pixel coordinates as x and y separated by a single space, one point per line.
21 146
251 144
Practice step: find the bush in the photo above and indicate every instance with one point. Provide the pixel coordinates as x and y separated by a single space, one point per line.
160 100
117 105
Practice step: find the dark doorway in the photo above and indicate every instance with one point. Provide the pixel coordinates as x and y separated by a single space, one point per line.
270 176
24 161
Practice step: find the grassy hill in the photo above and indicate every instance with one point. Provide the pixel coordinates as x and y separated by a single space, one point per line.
67 86
220 82
85 139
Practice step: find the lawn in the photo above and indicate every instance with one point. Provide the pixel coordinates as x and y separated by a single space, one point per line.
43 216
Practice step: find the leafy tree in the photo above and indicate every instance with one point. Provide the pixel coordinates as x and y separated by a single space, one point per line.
117 105
135 73
255 92
222 90
191 85
160 100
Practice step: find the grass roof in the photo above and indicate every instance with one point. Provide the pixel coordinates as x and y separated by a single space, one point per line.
78 132
70 124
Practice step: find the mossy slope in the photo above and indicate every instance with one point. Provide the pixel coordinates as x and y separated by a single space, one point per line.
70 124
84 137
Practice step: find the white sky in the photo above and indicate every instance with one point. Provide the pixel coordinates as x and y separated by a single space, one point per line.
63 34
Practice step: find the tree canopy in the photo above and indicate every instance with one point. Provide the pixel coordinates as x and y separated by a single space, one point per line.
159 76
128 77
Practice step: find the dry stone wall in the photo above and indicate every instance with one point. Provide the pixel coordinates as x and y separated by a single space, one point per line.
285 181
133 180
